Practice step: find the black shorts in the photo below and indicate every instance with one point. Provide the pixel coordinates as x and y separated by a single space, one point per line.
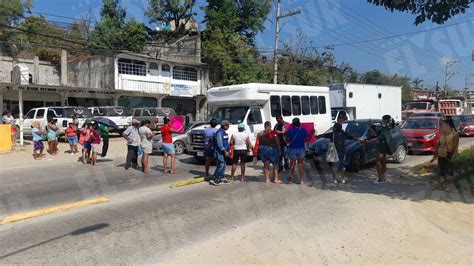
445 167
239 154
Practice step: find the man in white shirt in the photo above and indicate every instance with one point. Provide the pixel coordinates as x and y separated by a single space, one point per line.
242 144
133 140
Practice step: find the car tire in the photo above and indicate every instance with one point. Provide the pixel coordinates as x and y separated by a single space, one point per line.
400 155
179 147
355 162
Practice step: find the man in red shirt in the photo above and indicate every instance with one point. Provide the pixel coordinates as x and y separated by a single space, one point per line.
167 145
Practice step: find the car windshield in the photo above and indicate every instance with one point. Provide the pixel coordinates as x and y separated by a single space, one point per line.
467 119
112 111
413 106
234 115
333 114
356 129
420 124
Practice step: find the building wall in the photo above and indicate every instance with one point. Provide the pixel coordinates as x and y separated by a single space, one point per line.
48 74
96 72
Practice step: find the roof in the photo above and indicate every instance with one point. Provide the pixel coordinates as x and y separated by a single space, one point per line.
266 87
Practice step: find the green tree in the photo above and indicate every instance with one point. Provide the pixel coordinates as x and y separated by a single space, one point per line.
433 10
228 41
179 11
115 33
11 12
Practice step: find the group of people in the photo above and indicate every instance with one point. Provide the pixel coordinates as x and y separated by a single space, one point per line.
277 148
139 140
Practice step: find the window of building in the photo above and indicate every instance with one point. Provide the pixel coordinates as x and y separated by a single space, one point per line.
286 105
305 105
322 104
314 105
351 94
131 67
153 69
296 105
185 73
40 113
380 95
275 105
255 117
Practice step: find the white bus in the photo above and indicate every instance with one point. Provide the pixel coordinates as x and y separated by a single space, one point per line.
253 104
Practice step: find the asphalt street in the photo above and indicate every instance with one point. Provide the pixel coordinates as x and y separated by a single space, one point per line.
147 222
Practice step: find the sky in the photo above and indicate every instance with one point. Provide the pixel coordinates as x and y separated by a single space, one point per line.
335 22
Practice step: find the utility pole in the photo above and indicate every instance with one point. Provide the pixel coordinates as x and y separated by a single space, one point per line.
448 76
277 33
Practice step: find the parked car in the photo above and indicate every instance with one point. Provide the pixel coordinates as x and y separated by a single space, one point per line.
429 114
180 141
466 125
63 114
122 116
422 133
154 114
359 153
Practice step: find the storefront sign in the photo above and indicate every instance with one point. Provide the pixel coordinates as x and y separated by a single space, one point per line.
182 90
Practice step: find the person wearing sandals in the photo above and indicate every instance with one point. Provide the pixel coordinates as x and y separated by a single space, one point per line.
296 138
242 144
446 150
168 146
270 152
52 136
384 146
37 140
338 136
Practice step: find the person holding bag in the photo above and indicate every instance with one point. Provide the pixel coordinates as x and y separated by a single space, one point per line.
336 154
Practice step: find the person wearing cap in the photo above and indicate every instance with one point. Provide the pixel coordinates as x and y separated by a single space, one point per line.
209 148
296 138
168 146
384 146
242 144
133 140
222 151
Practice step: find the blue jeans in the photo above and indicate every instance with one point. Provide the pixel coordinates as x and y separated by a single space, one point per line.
284 158
220 167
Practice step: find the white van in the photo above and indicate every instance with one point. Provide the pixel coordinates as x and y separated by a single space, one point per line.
253 104
120 115
63 114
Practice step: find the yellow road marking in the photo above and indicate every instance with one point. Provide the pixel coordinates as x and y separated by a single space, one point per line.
31 214
187 182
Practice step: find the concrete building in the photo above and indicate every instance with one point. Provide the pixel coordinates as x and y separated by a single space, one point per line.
171 76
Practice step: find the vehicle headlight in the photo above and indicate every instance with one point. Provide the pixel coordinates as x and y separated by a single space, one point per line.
430 136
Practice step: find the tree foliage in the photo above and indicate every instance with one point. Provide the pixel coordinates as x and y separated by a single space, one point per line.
228 41
433 10
179 11
115 33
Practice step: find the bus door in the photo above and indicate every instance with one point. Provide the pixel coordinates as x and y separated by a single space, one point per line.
254 122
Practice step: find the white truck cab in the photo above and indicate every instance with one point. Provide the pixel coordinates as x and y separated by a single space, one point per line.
253 104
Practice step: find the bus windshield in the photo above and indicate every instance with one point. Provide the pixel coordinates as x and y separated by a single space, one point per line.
234 115
415 106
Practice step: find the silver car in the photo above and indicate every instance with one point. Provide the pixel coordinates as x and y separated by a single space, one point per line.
180 141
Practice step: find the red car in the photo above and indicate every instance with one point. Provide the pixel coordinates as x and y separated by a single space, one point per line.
466 125
422 133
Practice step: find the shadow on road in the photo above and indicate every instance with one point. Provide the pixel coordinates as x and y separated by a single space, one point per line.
77 232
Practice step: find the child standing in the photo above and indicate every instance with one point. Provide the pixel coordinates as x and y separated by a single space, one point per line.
86 145
95 142
71 134
37 140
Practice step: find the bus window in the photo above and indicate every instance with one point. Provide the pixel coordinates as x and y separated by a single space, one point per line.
296 105
322 104
286 105
275 105
314 105
305 105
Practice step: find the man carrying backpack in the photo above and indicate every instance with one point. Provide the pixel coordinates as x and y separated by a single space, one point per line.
222 151
209 134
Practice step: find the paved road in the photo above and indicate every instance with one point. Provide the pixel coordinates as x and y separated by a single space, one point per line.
146 222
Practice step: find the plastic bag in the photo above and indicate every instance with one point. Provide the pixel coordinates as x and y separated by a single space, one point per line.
331 155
